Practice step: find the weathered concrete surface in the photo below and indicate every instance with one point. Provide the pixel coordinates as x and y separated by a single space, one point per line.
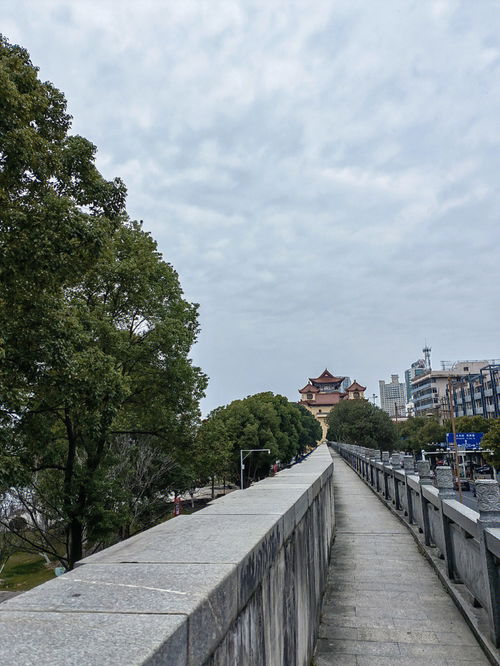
383 603
240 582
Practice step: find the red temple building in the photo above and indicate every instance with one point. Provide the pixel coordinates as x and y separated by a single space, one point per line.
322 393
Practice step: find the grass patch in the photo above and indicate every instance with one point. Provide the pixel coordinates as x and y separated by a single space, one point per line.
24 571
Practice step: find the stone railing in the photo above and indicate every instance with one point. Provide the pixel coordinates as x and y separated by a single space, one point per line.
468 541
239 582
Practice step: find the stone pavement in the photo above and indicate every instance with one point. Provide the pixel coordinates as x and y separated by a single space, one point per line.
383 602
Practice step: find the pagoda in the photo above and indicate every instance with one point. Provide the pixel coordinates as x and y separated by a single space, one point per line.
322 393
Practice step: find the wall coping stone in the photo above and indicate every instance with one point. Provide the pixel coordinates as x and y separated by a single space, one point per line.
169 594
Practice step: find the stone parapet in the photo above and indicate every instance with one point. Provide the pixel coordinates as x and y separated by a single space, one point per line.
240 581
467 540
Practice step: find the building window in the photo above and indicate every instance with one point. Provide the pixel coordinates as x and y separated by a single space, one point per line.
356 394
309 396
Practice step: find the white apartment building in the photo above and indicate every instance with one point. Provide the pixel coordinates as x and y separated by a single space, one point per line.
393 397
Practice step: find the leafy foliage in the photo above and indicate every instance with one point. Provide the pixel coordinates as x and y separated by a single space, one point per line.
359 422
471 424
421 432
95 331
263 421
491 441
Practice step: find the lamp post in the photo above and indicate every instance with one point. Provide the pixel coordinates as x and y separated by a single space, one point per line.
451 402
242 458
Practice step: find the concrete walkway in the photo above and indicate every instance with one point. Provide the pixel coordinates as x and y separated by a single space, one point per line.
384 604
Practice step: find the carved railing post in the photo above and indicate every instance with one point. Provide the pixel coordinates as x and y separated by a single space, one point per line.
488 497
385 462
371 460
424 474
409 468
376 456
444 482
396 466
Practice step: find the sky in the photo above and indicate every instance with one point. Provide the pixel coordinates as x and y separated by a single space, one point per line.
322 175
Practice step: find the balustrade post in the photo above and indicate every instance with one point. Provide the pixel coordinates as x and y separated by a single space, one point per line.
444 482
367 464
385 463
396 465
376 455
409 468
488 497
424 474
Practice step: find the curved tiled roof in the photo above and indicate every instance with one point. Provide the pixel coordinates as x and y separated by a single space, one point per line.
356 387
326 377
309 388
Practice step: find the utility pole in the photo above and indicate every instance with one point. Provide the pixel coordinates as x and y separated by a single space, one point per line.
451 403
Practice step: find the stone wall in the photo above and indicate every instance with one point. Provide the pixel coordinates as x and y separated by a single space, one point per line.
467 541
239 582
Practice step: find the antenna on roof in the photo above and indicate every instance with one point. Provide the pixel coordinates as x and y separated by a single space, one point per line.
427 355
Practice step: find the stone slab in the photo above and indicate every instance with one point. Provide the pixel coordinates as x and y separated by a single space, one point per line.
206 594
200 538
88 639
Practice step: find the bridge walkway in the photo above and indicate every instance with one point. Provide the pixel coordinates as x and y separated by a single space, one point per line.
383 603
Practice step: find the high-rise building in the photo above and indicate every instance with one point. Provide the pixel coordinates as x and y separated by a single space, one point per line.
393 396
345 384
416 369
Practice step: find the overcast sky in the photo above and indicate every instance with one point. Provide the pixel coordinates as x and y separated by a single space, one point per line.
322 175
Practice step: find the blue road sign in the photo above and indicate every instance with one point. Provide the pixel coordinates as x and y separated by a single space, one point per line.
469 440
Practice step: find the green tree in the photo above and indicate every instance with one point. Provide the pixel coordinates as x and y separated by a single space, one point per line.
421 432
359 422
491 441
266 421
95 330
210 457
471 424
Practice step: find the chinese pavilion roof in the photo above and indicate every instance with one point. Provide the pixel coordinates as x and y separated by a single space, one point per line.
356 387
309 388
326 378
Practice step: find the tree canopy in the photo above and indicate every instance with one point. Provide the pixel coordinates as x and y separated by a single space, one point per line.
359 422
471 424
95 330
421 432
264 421
491 441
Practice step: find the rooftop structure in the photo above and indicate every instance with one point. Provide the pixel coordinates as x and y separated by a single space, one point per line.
322 393
430 389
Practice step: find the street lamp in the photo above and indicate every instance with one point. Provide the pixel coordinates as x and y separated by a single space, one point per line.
242 458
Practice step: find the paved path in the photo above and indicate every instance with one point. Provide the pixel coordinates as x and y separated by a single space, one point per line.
384 604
